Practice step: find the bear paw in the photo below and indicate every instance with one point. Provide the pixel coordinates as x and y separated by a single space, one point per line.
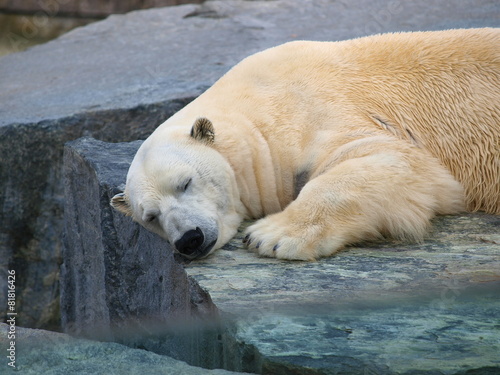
274 236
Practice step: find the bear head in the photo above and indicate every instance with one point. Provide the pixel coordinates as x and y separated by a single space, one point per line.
181 188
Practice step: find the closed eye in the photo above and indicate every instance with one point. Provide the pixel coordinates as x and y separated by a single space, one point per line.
186 184
150 218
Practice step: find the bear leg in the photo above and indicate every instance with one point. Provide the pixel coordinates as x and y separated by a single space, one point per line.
388 193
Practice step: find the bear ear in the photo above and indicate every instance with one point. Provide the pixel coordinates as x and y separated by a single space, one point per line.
119 202
203 130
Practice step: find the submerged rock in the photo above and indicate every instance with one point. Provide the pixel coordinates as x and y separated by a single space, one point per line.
51 353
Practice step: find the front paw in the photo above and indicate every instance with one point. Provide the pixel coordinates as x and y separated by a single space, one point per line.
275 236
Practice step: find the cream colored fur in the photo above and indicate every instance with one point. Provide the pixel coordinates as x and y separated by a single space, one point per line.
385 131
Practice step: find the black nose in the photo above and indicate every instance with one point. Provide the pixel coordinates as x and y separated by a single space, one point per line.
190 241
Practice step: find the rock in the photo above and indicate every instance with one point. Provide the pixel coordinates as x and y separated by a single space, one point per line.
50 353
77 8
118 79
120 282
388 307
461 252
32 198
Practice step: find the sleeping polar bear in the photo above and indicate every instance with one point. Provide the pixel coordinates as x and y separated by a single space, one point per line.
331 143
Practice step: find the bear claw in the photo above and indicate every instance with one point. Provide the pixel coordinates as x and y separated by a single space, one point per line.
275 247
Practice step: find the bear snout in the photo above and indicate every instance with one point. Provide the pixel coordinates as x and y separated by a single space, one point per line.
190 242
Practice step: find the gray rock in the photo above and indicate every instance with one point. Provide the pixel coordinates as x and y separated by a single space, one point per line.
50 353
386 307
461 252
120 282
32 198
76 8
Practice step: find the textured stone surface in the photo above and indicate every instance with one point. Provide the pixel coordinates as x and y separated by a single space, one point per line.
32 198
83 8
120 282
152 56
460 252
50 353
396 337
381 308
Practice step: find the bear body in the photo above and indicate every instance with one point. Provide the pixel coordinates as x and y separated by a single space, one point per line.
329 144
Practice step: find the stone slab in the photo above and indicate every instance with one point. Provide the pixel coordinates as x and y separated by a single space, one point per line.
51 353
81 9
380 308
120 282
461 252
400 337
151 56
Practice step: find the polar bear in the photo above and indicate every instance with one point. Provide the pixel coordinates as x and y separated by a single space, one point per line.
328 144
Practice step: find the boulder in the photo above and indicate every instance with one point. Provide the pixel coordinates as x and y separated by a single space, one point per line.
32 199
385 307
87 8
51 353
120 282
